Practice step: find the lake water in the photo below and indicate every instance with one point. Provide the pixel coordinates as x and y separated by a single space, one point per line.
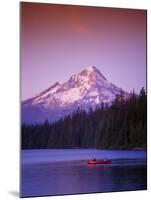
58 172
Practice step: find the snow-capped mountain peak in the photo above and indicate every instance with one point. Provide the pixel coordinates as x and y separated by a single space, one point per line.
88 77
91 70
89 88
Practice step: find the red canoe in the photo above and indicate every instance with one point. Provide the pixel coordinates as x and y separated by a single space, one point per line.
99 162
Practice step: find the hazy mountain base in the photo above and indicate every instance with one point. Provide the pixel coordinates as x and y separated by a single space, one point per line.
121 126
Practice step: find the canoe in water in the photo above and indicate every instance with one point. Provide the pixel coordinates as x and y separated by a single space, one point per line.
103 162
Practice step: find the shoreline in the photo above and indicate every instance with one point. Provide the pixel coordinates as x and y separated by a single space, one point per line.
108 149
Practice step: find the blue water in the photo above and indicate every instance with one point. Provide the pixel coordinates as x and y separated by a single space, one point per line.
56 172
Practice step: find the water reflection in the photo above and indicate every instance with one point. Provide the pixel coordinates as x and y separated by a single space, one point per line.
79 177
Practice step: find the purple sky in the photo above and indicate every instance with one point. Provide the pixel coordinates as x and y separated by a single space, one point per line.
58 41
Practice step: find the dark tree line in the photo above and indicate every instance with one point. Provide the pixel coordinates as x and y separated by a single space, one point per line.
122 125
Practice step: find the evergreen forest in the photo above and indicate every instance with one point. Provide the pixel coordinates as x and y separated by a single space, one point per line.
123 125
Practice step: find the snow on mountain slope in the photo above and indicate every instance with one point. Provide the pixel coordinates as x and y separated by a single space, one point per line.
87 89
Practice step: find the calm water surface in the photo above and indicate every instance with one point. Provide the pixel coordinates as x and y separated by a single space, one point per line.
56 172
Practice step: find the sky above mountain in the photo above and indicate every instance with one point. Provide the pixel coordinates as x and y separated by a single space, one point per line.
58 41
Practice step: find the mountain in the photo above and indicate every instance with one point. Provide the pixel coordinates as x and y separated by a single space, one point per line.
86 89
